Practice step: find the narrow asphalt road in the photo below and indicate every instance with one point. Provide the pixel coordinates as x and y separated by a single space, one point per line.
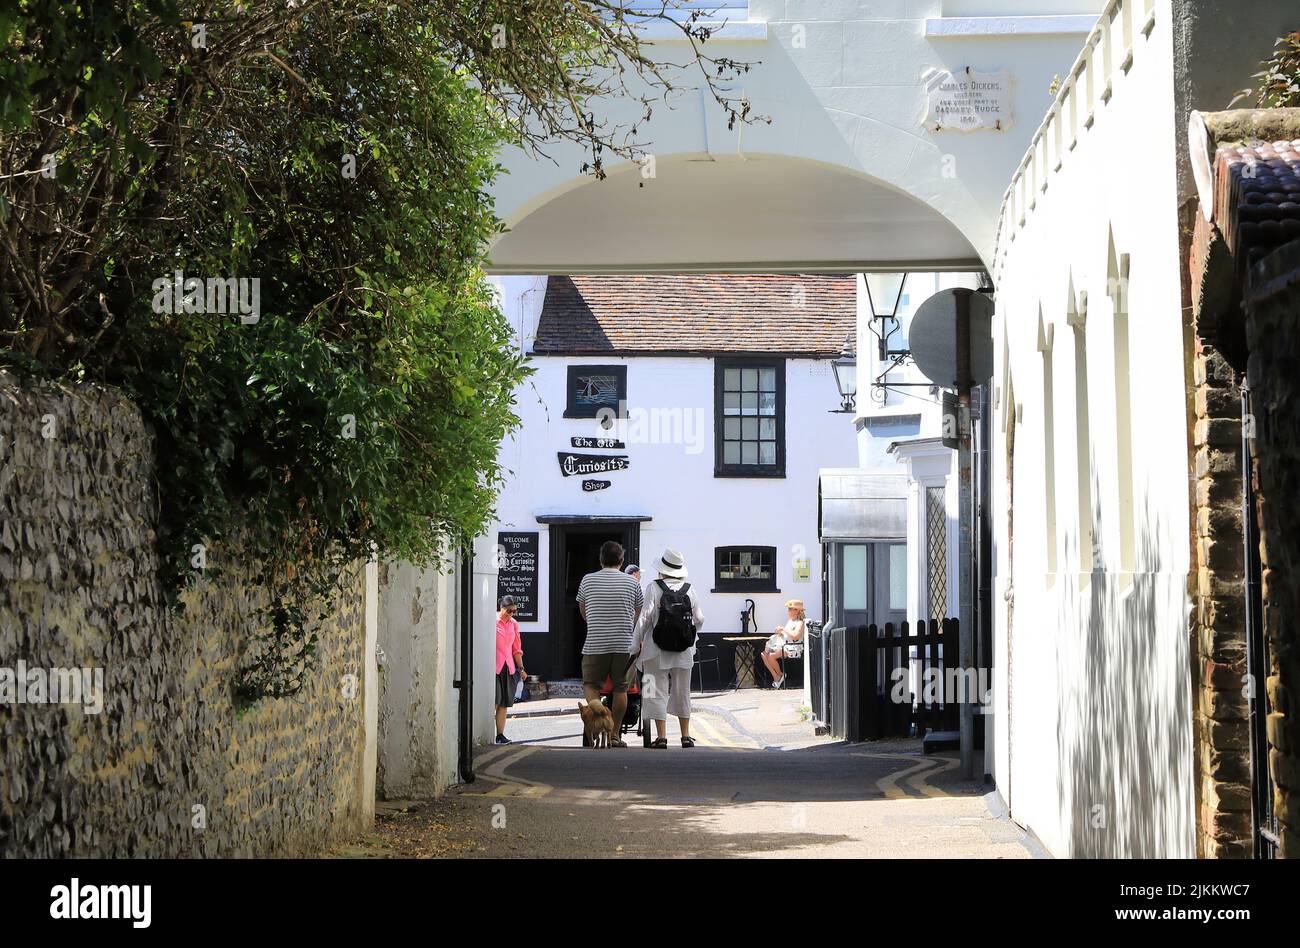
758 784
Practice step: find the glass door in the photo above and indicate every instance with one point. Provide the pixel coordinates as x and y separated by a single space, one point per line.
855 584
869 583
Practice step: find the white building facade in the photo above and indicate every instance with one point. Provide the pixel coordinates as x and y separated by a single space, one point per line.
728 411
900 426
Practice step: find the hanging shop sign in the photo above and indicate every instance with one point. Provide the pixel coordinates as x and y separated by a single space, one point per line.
597 443
573 464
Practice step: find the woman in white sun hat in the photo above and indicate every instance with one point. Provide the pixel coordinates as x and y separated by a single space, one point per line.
665 640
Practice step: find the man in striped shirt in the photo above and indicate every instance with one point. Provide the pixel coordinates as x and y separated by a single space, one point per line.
610 601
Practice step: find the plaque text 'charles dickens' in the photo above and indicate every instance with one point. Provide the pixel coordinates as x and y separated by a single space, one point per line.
967 100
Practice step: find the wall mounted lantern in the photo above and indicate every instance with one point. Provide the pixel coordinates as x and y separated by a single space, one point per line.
884 291
846 377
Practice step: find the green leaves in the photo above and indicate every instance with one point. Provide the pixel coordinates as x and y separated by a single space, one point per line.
1278 83
338 152
364 408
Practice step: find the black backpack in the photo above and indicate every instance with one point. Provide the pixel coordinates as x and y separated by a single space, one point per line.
674 629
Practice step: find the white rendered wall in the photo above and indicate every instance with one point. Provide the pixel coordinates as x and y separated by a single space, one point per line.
484 594
418 632
1095 754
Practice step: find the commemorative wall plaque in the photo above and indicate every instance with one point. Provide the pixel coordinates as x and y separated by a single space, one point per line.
579 464
967 100
517 572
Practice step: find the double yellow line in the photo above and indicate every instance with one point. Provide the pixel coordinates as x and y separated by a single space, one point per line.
715 736
513 786
917 775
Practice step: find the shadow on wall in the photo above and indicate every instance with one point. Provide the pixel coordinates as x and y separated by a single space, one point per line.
1125 781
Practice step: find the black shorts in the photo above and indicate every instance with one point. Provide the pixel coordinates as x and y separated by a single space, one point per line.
506 682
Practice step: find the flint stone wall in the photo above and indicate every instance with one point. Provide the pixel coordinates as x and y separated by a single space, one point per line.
169 767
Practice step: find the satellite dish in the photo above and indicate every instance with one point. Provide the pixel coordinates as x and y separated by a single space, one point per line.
932 337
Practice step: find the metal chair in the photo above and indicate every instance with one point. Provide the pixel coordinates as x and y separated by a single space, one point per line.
797 659
763 677
703 658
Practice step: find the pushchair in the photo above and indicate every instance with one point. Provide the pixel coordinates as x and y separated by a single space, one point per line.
632 717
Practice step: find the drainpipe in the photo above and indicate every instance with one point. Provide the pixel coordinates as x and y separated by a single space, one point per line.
965 532
984 554
464 684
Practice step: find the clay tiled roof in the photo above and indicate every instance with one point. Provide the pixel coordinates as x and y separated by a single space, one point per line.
808 315
1257 196
1246 163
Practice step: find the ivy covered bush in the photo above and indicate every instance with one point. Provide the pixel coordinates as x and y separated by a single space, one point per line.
267 221
339 163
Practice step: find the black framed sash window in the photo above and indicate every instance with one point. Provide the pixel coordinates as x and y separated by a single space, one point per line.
749 417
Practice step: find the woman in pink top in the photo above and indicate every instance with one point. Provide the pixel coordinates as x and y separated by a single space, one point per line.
510 662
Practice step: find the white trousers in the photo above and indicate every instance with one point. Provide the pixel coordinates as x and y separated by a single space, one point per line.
665 691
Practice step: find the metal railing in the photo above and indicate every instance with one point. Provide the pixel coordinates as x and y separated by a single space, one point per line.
819 674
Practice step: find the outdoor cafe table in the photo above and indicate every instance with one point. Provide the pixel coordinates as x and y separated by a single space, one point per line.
746 659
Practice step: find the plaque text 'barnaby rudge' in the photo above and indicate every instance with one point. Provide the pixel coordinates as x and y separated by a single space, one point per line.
967 100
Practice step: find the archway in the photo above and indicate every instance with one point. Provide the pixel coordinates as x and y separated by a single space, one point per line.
765 213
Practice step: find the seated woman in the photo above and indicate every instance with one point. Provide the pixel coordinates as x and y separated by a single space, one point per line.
787 639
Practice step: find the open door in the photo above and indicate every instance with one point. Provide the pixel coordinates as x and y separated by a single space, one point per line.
575 552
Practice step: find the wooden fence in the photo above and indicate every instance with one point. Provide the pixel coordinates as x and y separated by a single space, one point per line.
905 692
891 682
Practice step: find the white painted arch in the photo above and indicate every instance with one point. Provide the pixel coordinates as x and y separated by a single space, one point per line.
844 177
767 212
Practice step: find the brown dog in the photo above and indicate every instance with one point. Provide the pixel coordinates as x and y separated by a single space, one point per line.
597 724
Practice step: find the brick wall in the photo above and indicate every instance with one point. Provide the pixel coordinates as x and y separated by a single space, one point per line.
169 766
1273 335
1222 724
